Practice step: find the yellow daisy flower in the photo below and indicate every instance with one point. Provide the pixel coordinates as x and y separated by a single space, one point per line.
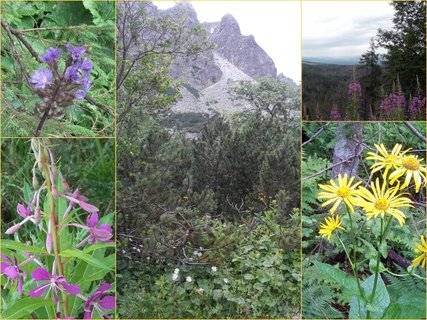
381 200
411 167
420 248
329 226
344 191
385 160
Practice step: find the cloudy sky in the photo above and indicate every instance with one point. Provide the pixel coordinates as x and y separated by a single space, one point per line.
342 29
274 24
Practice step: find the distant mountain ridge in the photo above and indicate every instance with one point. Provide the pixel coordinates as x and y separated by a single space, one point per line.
208 76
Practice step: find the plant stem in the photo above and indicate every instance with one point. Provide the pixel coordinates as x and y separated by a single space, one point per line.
53 219
378 263
42 121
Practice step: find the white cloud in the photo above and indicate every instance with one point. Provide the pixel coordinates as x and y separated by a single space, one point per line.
342 29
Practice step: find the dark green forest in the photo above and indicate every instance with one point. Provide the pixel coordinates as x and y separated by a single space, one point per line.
209 226
388 86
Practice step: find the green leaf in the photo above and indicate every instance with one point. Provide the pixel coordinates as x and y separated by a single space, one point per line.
335 275
74 253
380 302
411 305
18 246
99 245
24 307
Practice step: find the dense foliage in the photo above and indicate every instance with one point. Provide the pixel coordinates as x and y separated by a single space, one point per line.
29 29
391 86
207 225
329 290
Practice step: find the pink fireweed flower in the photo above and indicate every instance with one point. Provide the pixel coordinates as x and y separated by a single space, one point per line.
417 106
51 283
393 102
100 301
27 214
355 89
81 200
11 269
103 233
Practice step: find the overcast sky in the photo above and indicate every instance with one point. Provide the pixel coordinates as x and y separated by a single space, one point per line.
274 24
342 29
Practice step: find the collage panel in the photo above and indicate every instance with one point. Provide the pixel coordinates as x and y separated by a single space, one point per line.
364 220
57 232
58 68
364 60
208 159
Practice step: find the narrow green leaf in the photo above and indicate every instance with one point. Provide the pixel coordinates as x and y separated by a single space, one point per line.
22 308
18 246
74 253
99 245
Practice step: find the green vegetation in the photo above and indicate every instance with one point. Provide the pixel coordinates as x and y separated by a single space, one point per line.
28 30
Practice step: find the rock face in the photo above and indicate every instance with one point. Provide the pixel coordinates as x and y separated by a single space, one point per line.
242 51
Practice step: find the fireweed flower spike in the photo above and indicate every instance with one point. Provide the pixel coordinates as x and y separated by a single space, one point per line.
385 160
11 269
330 225
334 193
41 78
421 248
103 233
99 301
52 283
381 200
411 167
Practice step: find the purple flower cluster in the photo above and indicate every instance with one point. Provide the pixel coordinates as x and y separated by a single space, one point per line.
417 107
395 102
335 115
59 88
355 89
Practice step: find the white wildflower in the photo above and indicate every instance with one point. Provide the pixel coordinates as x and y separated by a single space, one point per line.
200 290
176 271
188 279
214 269
226 280
175 276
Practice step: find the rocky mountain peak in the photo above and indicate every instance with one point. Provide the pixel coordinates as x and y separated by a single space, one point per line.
229 25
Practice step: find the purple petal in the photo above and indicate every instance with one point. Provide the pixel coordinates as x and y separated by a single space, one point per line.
10 272
92 220
38 291
106 227
22 211
40 274
51 55
71 288
19 286
88 207
4 265
79 94
104 287
41 78
100 234
108 302
88 315
6 258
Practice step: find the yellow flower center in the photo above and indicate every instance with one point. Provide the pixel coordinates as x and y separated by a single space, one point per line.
381 204
343 192
411 163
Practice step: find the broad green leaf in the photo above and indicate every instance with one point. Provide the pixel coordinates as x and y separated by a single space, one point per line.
380 302
411 305
99 245
22 308
74 253
18 246
335 275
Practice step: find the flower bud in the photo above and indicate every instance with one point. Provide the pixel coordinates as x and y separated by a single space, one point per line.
37 215
49 243
55 192
13 229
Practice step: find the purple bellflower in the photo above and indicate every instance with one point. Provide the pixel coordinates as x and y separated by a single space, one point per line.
75 52
51 283
100 301
41 78
103 233
11 269
51 55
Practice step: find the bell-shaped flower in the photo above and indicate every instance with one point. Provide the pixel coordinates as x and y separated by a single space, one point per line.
10 268
100 302
51 283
